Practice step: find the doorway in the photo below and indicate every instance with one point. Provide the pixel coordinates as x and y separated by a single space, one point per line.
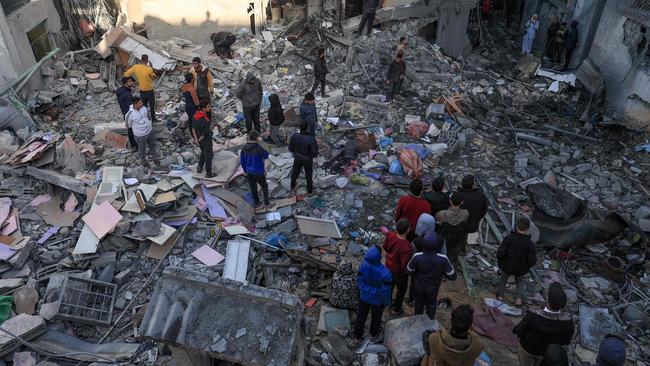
39 40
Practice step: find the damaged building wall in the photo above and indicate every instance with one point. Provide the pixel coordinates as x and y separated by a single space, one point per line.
8 52
620 50
194 20
33 14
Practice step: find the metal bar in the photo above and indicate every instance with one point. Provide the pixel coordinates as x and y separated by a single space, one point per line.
468 279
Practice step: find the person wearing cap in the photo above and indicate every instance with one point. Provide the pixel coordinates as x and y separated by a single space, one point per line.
202 80
542 327
611 351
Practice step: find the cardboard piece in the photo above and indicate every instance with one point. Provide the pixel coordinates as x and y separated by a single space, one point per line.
52 214
215 209
164 198
40 199
11 225
156 251
318 227
208 256
102 219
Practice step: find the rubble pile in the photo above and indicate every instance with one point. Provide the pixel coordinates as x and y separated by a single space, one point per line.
82 219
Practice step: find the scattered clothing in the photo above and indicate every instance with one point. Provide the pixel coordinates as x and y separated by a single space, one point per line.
308 114
446 349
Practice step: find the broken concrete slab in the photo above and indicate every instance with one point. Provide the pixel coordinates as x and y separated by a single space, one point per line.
25 326
190 310
77 349
58 179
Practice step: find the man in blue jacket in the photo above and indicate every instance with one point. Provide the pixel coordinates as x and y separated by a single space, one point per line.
304 149
374 282
252 158
125 99
308 113
428 267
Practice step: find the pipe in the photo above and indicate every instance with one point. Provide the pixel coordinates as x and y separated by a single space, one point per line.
535 139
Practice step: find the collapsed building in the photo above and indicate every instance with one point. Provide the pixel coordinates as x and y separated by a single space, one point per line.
193 275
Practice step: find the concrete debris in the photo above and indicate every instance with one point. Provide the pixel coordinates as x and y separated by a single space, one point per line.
124 261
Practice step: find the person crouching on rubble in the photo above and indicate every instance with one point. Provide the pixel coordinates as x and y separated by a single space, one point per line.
137 118
191 99
202 134
252 158
398 254
395 75
541 327
308 113
516 256
428 268
455 347
374 283
276 119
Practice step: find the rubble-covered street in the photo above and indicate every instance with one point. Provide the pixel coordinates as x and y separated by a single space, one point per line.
106 261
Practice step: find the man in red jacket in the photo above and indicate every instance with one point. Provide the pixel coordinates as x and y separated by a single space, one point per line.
398 254
412 206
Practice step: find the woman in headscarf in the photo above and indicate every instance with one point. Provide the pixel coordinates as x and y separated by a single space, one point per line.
531 29
276 118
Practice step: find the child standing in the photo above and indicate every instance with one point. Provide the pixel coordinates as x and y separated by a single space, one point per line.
374 283
202 134
516 256
398 254
252 158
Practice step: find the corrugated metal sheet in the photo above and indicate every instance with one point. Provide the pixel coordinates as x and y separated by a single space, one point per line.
638 10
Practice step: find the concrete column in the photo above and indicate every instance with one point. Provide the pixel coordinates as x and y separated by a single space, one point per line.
452 27
588 13
8 52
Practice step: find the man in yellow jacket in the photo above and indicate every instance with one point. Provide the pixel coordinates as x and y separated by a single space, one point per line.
145 76
456 347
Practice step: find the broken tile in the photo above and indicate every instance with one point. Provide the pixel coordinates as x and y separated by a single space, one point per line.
102 219
208 256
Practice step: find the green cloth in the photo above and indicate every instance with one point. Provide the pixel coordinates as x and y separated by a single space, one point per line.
5 307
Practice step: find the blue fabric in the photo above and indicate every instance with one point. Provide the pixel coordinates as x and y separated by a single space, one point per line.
374 280
252 159
396 168
422 151
611 352
190 108
483 360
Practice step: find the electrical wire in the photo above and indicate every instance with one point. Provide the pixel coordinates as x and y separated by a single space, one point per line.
54 355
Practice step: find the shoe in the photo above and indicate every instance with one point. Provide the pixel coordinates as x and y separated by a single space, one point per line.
394 312
376 338
259 206
210 175
199 170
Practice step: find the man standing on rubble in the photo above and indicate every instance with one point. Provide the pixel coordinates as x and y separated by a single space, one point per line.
542 327
453 223
252 158
398 254
145 75
320 72
516 256
308 113
531 30
202 80
202 134
304 148
137 118
395 75
125 100
369 9
438 199
475 203
190 97
410 207
250 93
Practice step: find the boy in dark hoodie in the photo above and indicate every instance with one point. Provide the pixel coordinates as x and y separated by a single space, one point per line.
202 134
276 118
438 199
374 283
475 202
252 158
456 347
453 223
320 72
250 93
125 99
541 327
190 97
428 268
611 351
398 254
304 149
308 113
516 256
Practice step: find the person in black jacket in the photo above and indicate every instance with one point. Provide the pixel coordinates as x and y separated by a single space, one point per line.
395 75
571 43
202 134
475 202
304 149
438 199
369 9
125 99
516 256
428 267
541 327
320 72
276 118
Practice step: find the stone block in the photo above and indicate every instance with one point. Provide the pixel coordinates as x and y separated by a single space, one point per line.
97 86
